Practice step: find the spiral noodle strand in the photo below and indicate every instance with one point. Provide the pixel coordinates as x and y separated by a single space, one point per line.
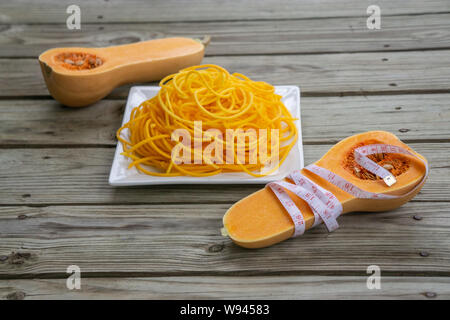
222 101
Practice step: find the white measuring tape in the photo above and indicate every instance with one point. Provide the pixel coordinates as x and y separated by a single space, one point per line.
324 205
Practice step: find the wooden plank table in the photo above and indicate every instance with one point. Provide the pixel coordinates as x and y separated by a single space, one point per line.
163 242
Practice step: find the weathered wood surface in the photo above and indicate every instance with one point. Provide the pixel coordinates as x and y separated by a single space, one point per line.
80 176
47 123
323 74
417 32
152 240
56 208
213 287
107 11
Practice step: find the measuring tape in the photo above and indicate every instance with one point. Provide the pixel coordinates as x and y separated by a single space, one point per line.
325 205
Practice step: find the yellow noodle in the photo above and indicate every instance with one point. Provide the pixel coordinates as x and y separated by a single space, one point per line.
222 101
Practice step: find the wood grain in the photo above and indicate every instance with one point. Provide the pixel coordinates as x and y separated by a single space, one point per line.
324 74
50 11
163 242
213 287
80 176
46 123
155 240
242 37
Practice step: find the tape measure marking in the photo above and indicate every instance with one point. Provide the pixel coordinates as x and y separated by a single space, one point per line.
324 204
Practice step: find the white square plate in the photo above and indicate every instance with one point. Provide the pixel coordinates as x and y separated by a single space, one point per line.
122 176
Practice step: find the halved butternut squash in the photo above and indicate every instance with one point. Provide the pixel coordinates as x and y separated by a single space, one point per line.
260 220
81 76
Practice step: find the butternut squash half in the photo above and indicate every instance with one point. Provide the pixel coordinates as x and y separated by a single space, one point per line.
260 220
78 77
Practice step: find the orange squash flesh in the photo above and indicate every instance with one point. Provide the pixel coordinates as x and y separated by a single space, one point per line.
137 62
260 220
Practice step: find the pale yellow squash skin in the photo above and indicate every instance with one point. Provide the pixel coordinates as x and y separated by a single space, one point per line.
137 62
260 220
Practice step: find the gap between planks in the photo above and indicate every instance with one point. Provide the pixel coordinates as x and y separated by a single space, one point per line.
276 287
328 74
268 20
130 204
309 94
318 53
110 146
224 274
204 10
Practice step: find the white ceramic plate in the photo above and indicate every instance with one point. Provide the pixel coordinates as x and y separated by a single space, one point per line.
122 176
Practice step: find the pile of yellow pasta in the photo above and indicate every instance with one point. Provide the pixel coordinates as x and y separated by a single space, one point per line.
206 93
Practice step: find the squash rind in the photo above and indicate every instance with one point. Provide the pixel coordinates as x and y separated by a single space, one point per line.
136 62
240 218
